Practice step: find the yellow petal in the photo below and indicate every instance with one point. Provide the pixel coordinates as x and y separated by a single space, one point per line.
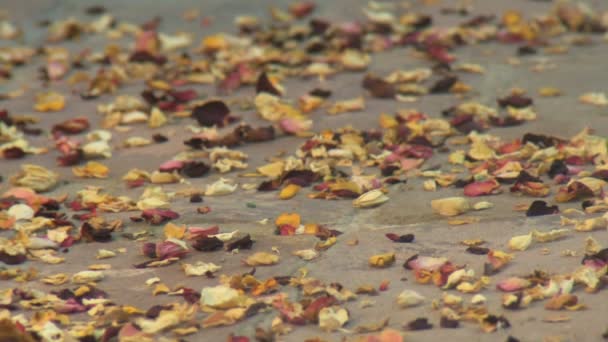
292 219
92 169
173 231
49 102
520 242
306 254
382 260
450 206
262 259
289 191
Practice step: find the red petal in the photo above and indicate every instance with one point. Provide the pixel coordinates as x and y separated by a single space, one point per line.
481 188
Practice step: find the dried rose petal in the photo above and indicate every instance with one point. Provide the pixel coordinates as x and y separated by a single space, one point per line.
540 208
481 188
311 313
378 87
207 244
158 216
212 113
418 324
301 9
194 169
424 263
71 126
515 101
171 165
169 249
265 85
193 233
243 242
513 284
407 238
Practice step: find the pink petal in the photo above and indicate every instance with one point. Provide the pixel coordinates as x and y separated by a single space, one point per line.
171 165
294 126
168 249
410 164
194 233
513 284
425 263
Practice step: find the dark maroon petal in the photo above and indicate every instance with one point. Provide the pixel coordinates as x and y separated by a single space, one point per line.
540 208
264 85
443 85
558 167
324 93
540 140
243 242
448 323
478 250
71 126
419 324
506 121
194 169
145 56
196 198
254 135
515 101
72 158
160 138
13 153
407 238
12 259
269 185
207 244
345 193
190 295
149 249
212 113
98 234
378 87
300 177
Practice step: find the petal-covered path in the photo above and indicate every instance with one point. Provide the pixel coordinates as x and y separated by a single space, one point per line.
299 171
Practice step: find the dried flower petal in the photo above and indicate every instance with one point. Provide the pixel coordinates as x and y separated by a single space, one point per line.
370 199
262 259
382 260
520 242
450 206
35 177
409 298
